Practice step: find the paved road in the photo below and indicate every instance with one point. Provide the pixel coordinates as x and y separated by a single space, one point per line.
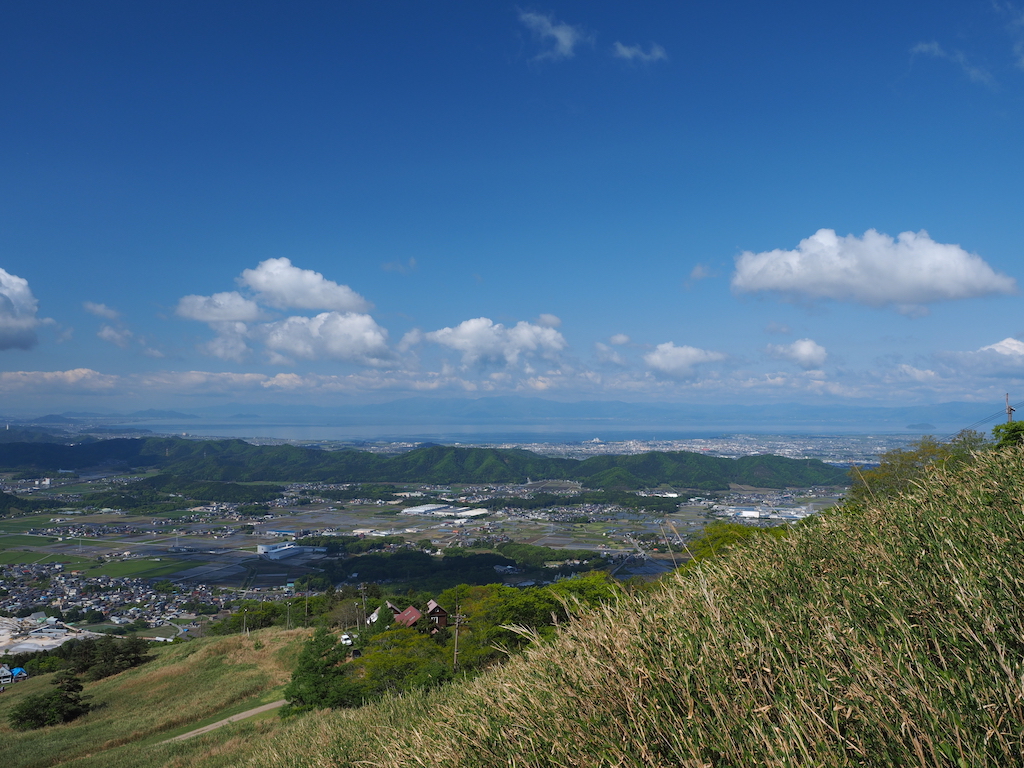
225 721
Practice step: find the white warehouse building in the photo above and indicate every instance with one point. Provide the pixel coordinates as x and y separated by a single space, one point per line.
278 551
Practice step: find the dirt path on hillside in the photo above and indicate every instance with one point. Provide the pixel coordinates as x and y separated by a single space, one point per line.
226 720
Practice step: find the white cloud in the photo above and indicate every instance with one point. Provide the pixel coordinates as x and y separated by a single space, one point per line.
910 373
74 380
908 272
282 285
482 340
101 310
18 307
1008 346
330 335
410 340
122 337
549 321
974 73
637 52
804 352
619 339
226 307
562 39
1003 358
229 343
681 361
606 354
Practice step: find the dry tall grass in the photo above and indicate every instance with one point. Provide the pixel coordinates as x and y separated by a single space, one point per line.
892 636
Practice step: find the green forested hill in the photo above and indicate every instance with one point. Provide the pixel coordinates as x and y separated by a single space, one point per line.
10 503
236 460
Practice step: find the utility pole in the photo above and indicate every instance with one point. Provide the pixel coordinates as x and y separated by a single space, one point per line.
1009 409
362 592
459 618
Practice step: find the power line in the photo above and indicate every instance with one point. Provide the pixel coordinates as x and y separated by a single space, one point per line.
981 422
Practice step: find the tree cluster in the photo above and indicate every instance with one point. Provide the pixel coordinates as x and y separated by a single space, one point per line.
93 658
389 658
61 705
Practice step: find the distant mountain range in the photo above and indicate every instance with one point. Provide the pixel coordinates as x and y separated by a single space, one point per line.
238 461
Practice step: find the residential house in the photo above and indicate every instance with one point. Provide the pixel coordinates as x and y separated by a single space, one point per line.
438 616
408 617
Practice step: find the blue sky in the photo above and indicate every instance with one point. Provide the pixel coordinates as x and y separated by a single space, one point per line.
343 202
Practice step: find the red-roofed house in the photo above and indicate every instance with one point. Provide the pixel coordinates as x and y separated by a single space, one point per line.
408 617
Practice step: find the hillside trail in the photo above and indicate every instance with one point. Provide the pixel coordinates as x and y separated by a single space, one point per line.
226 720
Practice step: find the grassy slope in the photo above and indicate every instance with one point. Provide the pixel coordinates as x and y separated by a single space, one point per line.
187 686
888 637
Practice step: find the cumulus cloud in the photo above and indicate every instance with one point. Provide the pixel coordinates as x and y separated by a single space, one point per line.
1003 358
619 339
974 73
875 269
1008 346
410 340
549 321
100 310
18 307
230 342
637 52
482 340
561 39
122 337
345 336
280 284
681 361
226 307
804 352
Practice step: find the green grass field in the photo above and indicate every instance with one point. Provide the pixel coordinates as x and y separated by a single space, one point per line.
187 686
10 557
10 525
23 540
